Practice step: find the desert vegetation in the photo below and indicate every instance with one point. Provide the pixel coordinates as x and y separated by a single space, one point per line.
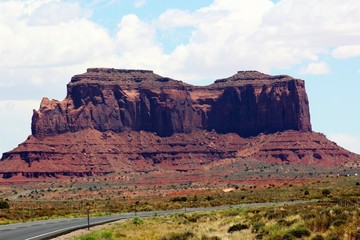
325 220
22 203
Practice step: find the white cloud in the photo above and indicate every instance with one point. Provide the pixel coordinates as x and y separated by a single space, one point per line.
14 126
136 45
140 3
219 43
235 35
44 42
227 36
348 141
52 13
316 68
346 51
36 48
174 18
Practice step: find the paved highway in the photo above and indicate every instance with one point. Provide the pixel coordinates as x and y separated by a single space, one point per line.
48 229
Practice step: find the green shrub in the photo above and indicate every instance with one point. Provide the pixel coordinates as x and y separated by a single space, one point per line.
338 223
320 223
179 236
276 214
318 237
257 227
285 223
300 232
287 236
237 227
259 236
4 205
232 213
308 216
137 220
179 199
193 219
106 235
326 192
256 217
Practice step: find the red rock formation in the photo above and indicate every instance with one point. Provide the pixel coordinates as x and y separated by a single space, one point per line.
247 103
91 152
120 121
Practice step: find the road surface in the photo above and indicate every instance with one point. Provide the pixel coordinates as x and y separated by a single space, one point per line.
48 229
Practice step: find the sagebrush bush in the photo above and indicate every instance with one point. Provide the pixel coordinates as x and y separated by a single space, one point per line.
326 192
308 216
179 199
257 227
237 227
137 220
287 236
276 214
179 236
300 232
286 223
204 237
4 205
318 237
320 223
232 213
256 217
338 223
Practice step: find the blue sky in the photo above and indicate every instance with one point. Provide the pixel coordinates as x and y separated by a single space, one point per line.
45 42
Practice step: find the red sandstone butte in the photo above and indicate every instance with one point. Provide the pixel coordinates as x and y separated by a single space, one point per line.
113 121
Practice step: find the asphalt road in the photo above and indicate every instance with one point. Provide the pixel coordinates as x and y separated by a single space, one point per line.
48 229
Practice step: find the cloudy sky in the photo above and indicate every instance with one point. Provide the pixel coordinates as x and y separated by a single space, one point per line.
45 42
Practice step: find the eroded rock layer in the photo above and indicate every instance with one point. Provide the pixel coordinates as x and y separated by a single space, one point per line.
91 152
121 121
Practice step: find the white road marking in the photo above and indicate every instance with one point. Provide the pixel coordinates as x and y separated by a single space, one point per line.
64 229
48 233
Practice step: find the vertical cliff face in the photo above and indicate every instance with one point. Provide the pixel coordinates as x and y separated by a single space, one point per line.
251 109
247 103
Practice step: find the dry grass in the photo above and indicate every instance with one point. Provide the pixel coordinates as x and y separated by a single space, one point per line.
303 221
41 203
199 225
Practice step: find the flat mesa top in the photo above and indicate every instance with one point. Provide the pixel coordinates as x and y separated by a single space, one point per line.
146 78
127 78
